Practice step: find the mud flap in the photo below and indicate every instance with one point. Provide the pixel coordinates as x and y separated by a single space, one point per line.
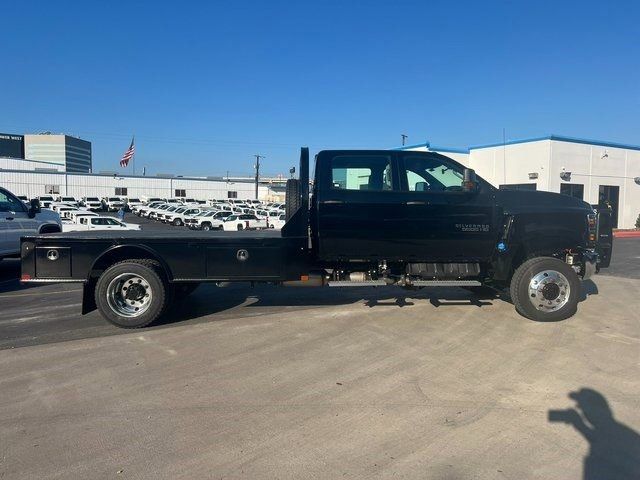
88 297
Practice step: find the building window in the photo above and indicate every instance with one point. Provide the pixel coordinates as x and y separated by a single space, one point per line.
180 192
52 189
519 186
573 190
232 194
121 191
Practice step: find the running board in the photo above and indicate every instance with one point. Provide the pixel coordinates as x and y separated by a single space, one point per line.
415 283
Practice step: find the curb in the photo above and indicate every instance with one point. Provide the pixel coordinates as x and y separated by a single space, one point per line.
627 234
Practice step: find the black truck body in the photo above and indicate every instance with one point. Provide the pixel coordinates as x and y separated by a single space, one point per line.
375 217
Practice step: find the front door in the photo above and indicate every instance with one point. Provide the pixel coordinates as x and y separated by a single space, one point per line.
441 222
14 223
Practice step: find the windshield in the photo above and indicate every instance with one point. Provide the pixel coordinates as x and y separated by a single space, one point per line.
232 217
134 200
93 199
114 199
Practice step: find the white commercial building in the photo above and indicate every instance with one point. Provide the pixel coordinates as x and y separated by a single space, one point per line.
597 172
33 179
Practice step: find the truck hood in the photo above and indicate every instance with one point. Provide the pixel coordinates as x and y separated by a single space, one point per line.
47 215
533 201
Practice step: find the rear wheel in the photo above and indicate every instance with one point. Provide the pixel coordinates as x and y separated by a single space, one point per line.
240 227
545 289
132 293
206 227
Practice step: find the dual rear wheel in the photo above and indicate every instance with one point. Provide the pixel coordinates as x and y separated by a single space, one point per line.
134 293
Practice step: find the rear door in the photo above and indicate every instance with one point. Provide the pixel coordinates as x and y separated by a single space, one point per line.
358 205
441 222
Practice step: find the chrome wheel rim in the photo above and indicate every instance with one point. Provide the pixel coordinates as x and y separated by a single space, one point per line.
129 295
549 291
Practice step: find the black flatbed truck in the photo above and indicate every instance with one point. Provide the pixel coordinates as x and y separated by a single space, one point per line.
375 217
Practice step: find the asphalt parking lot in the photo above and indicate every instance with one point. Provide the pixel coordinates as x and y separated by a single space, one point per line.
269 382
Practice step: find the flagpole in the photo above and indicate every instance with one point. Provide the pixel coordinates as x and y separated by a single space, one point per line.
134 158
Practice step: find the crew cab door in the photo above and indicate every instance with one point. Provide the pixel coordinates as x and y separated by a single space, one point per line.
441 222
357 200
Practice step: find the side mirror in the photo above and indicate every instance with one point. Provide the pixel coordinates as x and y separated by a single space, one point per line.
469 181
34 208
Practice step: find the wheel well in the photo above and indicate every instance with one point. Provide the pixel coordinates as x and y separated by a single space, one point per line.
49 228
126 252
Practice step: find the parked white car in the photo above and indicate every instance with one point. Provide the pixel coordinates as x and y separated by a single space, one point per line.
159 209
112 204
46 201
99 223
245 221
207 220
92 203
278 223
18 219
69 201
181 214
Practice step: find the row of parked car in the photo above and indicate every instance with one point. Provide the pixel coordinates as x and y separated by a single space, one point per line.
216 215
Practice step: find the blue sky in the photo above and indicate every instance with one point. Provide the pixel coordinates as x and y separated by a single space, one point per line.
205 85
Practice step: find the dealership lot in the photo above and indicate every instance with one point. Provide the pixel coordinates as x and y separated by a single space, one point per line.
269 382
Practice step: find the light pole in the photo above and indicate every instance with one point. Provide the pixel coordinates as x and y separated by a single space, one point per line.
404 138
258 157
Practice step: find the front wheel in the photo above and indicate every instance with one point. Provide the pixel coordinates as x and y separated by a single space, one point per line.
206 227
132 293
177 222
545 289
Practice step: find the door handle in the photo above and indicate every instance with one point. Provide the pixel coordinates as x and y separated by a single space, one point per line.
416 202
333 202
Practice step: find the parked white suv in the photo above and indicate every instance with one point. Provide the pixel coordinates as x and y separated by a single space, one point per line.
91 203
18 219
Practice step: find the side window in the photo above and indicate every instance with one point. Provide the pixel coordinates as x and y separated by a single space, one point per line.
358 172
425 174
110 221
9 203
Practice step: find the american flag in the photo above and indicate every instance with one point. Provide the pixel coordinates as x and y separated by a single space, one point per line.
128 155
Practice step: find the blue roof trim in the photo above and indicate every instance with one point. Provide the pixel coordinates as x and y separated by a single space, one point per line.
449 149
560 138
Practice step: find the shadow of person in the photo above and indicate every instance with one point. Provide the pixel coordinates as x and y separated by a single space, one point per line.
614 448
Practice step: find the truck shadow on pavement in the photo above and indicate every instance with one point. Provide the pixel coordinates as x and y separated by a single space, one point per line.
211 300
614 448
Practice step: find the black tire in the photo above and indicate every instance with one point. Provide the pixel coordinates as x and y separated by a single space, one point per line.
546 309
206 226
293 199
177 222
151 273
240 227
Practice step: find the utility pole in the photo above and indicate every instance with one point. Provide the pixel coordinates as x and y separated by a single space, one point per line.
258 157
404 138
